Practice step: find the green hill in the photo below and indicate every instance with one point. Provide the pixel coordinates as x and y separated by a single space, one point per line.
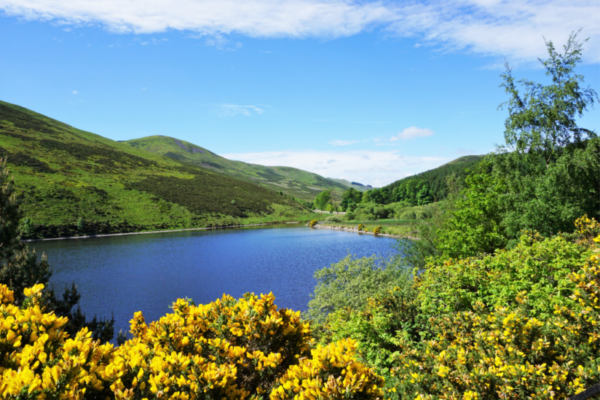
296 182
66 175
436 178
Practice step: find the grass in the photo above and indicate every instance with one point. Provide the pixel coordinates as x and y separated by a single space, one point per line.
394 227
295 182
65 175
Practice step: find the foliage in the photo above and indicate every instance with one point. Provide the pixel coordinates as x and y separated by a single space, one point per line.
435 179
548 199
361 227
315 378
543 121
232 349
519 323
474 225
350 282
313 223
350 198
377 230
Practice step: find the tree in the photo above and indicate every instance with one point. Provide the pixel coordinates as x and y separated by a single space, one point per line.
542 121
20 268
323 199
549 164
350 197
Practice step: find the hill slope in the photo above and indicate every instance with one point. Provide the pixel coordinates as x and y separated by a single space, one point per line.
436 178
66 174
296 182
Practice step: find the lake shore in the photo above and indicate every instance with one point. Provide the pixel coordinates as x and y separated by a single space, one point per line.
355 230
162 231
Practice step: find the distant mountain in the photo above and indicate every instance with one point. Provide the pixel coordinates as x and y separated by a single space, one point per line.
296 182
67 175
358 186
436 178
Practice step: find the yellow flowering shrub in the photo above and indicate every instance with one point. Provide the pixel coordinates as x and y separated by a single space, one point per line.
233 349
313 223
228 348
38 360
499 342
377 230
331 373
361 227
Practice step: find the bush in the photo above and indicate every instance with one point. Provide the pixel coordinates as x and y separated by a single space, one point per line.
361 227
313 223
350 282
333 219
377 230
522 323
350 216
408 214
231 349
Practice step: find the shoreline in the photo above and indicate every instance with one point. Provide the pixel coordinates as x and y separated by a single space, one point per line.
149 232
355 230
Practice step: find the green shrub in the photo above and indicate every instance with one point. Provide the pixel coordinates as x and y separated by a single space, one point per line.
350 282
333 219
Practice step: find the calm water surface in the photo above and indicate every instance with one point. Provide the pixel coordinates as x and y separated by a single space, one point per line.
121 275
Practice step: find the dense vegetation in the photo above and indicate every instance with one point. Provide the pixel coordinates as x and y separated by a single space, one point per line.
73 182
504 302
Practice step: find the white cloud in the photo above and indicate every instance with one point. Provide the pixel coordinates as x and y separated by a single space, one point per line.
342 142
231 110
377 168
411 133
510 28
75 92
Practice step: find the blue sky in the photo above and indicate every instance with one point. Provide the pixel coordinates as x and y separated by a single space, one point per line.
362 90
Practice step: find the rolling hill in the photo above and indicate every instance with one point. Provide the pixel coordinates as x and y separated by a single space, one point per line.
296 182
74 182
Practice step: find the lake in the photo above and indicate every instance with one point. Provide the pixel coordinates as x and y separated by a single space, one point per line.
147 273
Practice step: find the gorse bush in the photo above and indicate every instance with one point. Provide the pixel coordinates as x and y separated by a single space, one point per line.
234 349
522 323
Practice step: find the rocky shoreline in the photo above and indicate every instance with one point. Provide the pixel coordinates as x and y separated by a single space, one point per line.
355 230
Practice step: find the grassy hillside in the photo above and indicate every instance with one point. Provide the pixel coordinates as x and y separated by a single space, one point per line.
436 178
301 184
68 175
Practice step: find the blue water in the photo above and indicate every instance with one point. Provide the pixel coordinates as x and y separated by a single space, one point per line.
124 274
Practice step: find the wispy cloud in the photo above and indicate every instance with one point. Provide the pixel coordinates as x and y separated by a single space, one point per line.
231 110
342 142
221 43
510 28
377 168
411 133
75 92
